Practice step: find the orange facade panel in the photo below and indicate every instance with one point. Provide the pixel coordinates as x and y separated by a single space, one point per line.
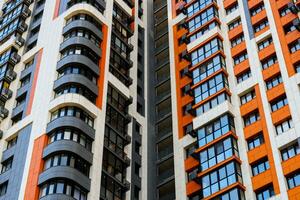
262 31
295 57
253 3
192 187
228 3
241 67
291 165
258 17
291 36
271 71
257 153
266 52
190 163
294 194
287 19
235 32
238 49
281 3
35 168
253 129
248 107
262 179
275 92
280 115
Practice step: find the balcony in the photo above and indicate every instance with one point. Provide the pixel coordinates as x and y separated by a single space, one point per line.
3 112
5 94
14 58
22 27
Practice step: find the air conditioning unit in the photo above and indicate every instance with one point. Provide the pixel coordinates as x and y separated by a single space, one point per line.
187 72
190 110
19 41
185 39
185 55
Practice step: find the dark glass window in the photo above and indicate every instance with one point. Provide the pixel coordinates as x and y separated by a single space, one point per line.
290 151
260 167
215 129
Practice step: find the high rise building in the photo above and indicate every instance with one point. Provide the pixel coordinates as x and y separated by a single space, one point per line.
150 99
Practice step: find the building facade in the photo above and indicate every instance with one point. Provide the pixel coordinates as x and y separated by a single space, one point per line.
150 99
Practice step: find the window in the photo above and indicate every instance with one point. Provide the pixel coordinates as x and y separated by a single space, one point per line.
114 141
221 178
248 97
284 126
12 142
212 103
273 82
293 180
289 28
268 62
210 87
297 67
260 167
255 141
215 129
80 50
261 25
202 18
3 188
203 30
197 6
279 103
290 151
206 50
115 98
257 9
114 166
110 189
284 11
218 153
83 33
265 193
237 40
294 46
234 24
264 43
68 160
240 58
74 112
232 8
251 118
208 68
76 89
63 187
234 194
244 76
73 135
6 165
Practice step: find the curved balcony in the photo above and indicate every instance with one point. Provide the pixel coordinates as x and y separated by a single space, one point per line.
83 24
77 79
78 59
65 172
82 41
69 146
74 122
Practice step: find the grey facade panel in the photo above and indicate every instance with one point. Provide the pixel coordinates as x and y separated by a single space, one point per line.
83 24
76 78
248 19
15 174
80 59
69 146
26 71
81 41
69 121
65 172
22 90
17 110
8 153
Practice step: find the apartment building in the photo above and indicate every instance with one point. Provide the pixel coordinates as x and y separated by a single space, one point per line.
149 99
